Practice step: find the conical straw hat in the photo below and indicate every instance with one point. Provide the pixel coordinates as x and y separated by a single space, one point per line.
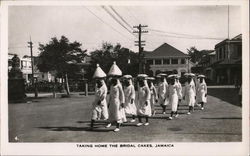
99 73
115 70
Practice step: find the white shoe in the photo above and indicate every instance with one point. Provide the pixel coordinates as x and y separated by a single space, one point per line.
170 118
109 125
116 130
188 113
202 108
133 120
176 115
139 124
164 113
146 124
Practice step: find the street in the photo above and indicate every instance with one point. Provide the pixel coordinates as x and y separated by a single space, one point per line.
68 119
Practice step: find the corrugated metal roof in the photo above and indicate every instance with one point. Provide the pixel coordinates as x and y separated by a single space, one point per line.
165 50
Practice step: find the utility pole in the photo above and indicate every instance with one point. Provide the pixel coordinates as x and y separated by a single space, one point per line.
140 43
32 67
228 36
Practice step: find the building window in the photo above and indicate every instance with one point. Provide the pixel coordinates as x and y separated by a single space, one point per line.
174 61
22 64
29 64
158 61
217 54
220 53
239 51
150 62
166 61
183 61
224 53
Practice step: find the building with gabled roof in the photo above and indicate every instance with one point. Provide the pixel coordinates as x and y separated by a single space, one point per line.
167 59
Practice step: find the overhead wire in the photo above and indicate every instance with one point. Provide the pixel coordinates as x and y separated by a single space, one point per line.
106 23
113 9
105 9
181 35
133 16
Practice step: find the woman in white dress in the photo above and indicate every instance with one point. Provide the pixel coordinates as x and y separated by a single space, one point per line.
201 91
116 99
172 94
129 92
179 92
189 94
99 106
144 108
162 88
153 93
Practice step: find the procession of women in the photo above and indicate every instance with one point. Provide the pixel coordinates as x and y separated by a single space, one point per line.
125 102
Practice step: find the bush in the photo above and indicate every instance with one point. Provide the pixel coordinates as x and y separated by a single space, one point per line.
44 86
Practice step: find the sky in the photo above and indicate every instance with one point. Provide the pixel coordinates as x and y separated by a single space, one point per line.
180 26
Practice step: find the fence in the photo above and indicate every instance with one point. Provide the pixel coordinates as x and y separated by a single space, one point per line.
74 86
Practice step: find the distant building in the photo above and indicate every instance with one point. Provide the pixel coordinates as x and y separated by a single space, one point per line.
85 64
167 59
209 72
10 56
228 65
204 66
25 66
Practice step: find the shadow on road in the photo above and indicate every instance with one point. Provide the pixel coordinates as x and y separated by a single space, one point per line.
69 128
224 118
229 95
222 133
96 122
175 129
128 124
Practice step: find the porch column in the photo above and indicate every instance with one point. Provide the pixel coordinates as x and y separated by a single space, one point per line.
228 75
153 72
179 61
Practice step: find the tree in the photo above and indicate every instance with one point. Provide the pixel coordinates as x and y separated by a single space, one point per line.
62 57
126 59
194 54
197 55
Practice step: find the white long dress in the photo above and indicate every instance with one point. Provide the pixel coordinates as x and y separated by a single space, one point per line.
179 90
201 92
116 112
101 110
143 96
162 89
173 96
153 97
129 93
189 94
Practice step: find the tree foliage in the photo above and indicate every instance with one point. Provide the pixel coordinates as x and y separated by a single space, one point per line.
126 59
60 56
197 55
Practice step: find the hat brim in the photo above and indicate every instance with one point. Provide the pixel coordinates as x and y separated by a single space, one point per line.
99 77
113 75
